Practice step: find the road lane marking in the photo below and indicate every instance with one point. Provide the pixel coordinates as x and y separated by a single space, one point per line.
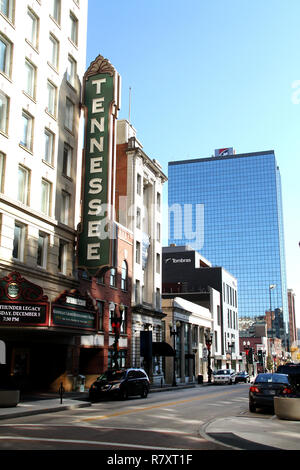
152 407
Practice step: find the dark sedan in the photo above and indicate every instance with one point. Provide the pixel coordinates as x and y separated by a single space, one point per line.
120 384
265 388
242 377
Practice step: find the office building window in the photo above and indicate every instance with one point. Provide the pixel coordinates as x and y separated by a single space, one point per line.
139 184
62 256
46 197
7 8
23 184
19 241
27 134
137 292
5 55
158 232
67 160
71 71
158 299
56 10
65 207
54 51
113 278
4 111
30 78
73 28
52 93
138 217
100 305
121 358
42 250
124 276
32 28
158 202
138 252
123 326
2 167
49 146
69 117
157 263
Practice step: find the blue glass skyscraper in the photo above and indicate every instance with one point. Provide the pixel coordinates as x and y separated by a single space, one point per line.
229 208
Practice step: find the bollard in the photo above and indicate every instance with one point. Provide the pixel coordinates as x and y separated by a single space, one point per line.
61 391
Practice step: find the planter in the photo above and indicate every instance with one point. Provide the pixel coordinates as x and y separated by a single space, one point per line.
9 398
287 408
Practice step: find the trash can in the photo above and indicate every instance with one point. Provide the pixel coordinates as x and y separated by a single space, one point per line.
200 379
80 383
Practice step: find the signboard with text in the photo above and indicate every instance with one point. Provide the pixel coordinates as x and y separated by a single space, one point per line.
22 303
101 96
74 310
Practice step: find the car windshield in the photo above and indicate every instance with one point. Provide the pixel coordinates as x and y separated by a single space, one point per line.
242 373
272 378
112 375
223 372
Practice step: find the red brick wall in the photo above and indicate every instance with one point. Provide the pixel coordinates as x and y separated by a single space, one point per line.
96 361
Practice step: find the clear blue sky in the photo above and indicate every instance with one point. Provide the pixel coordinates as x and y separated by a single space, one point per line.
208 74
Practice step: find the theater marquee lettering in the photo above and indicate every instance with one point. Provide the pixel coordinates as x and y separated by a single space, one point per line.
94 240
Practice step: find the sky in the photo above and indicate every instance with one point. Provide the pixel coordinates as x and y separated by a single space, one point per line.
208 74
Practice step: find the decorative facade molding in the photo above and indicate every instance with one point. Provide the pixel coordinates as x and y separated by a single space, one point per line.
99 65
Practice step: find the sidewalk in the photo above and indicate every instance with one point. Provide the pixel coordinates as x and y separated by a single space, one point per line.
238 432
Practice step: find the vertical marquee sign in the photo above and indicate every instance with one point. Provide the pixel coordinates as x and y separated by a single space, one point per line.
101 102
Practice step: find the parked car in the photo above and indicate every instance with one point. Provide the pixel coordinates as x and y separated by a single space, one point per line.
242 377
266 387
293 371
120 384
224 376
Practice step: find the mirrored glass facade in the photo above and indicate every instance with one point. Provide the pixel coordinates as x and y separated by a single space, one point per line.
230 210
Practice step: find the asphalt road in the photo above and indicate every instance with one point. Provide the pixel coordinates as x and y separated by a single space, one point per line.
164 422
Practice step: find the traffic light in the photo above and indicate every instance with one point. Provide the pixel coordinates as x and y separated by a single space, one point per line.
115 325
260 357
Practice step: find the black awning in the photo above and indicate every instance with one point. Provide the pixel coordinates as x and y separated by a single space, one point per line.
162 349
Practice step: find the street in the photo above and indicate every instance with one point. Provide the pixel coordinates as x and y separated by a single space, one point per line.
165 421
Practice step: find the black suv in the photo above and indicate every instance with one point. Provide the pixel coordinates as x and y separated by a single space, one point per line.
120 384
293 371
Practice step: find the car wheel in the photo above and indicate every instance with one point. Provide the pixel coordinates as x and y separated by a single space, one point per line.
124 394
144 393
252 407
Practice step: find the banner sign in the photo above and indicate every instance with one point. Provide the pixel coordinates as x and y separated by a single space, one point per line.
74 310
20 314
73 318
101 95
22 303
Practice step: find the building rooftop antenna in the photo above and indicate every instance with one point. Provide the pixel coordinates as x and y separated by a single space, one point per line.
129 104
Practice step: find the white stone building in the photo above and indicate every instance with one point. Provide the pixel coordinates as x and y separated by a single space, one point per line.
140 210
42 62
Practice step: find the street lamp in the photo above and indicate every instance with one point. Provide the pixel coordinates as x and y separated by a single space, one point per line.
231 346
173 332
208 342
115 325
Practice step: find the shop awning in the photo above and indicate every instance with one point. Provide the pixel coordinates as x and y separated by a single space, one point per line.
162 349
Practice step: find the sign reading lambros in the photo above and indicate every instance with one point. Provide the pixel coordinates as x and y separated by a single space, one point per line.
101 100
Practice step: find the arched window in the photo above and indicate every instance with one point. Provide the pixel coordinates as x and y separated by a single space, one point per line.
124 276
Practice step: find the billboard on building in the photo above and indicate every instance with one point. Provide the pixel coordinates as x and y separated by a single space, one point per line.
224 152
